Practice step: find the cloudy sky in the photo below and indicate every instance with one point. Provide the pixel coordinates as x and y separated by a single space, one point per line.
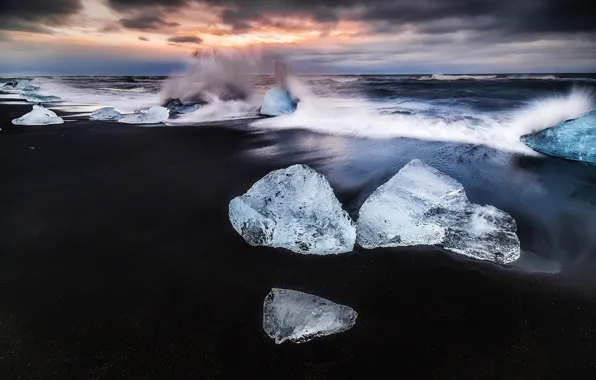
152 37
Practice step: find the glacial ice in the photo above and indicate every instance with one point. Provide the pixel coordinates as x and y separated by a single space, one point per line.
30 88
572 139
176 106
278 102
154 115
39 116
423 206
106 114
293 208
300 317
36 98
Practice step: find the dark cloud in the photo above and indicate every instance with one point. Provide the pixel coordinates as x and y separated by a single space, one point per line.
110 28
32 15
128 4
141 38
185 39
147 22
527 16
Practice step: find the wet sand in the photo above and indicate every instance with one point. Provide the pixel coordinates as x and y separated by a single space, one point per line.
118 261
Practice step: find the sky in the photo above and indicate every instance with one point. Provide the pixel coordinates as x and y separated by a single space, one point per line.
156 37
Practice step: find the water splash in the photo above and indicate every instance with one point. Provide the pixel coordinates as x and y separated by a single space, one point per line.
360 117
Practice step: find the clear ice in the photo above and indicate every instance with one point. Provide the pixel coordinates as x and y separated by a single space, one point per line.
300 317
293 208
423 206
106 114
572 139
154 115
39 116
36 98
278 102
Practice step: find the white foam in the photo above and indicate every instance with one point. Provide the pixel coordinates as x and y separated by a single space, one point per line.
219 110
457 77
124 101
361 118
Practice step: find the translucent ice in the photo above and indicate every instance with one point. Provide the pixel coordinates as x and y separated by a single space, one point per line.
423 206
106 114
39 116
300 317
277 102
293 208
154 115
572 139
36 98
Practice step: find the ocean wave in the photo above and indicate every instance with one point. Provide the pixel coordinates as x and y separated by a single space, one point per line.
457 77
137 89
361 118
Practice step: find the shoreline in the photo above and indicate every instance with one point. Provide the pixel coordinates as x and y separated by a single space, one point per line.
118 261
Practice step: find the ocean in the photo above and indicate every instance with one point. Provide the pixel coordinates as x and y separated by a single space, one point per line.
118 259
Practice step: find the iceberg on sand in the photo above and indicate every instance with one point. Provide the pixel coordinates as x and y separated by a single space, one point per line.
300 317
39 116
36 98
423 206
572 139
278 102
293 208
154 115
106 114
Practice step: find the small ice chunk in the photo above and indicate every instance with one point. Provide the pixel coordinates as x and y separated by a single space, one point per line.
300 317
176 106
39 116
106 114
423 206
278 102
293 208
572 139
36 98
154 115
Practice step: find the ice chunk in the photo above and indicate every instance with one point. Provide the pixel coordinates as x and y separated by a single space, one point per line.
39 116
300 317
278 102
30 88
572 139
423 206
154 115
106 114
16 84
177 107
36 98
293 208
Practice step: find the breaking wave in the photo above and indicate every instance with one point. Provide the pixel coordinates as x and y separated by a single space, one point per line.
361 118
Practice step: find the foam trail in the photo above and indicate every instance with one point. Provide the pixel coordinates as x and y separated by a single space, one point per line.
361 118
134 100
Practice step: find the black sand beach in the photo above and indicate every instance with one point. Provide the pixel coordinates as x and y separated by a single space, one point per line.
118 261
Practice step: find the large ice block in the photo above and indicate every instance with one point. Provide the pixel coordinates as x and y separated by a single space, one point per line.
293 208
423 206
278 102
572 139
